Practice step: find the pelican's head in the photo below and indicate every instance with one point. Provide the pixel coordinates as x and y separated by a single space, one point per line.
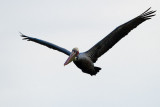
72 56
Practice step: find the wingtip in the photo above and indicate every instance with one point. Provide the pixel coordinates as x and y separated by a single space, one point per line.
153 11
148 9
22 35
148 14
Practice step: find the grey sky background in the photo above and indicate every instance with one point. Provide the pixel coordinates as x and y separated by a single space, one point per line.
32 75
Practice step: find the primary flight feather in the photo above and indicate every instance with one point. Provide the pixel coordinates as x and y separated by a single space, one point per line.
85 61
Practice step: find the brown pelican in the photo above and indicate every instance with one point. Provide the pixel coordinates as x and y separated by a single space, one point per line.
85 61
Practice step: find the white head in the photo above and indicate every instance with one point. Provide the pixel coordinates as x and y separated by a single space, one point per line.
75 53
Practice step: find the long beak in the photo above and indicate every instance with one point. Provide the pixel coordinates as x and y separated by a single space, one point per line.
70 58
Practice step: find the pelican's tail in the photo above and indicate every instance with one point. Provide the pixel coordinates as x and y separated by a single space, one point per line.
96 70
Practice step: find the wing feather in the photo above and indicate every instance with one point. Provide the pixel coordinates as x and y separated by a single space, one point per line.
110 40
45 43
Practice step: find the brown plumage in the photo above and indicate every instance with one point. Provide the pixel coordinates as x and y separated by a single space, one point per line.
85 61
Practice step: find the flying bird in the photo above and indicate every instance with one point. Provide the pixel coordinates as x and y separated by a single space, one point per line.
85 60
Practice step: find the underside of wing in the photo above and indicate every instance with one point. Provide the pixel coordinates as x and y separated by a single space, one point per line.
110 40
45 43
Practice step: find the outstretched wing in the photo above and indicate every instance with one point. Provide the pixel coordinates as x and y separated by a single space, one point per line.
45 43
109 41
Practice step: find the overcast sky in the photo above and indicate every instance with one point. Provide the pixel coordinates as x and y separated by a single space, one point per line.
32 75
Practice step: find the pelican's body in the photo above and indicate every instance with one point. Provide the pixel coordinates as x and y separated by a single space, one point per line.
85 61
85 64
